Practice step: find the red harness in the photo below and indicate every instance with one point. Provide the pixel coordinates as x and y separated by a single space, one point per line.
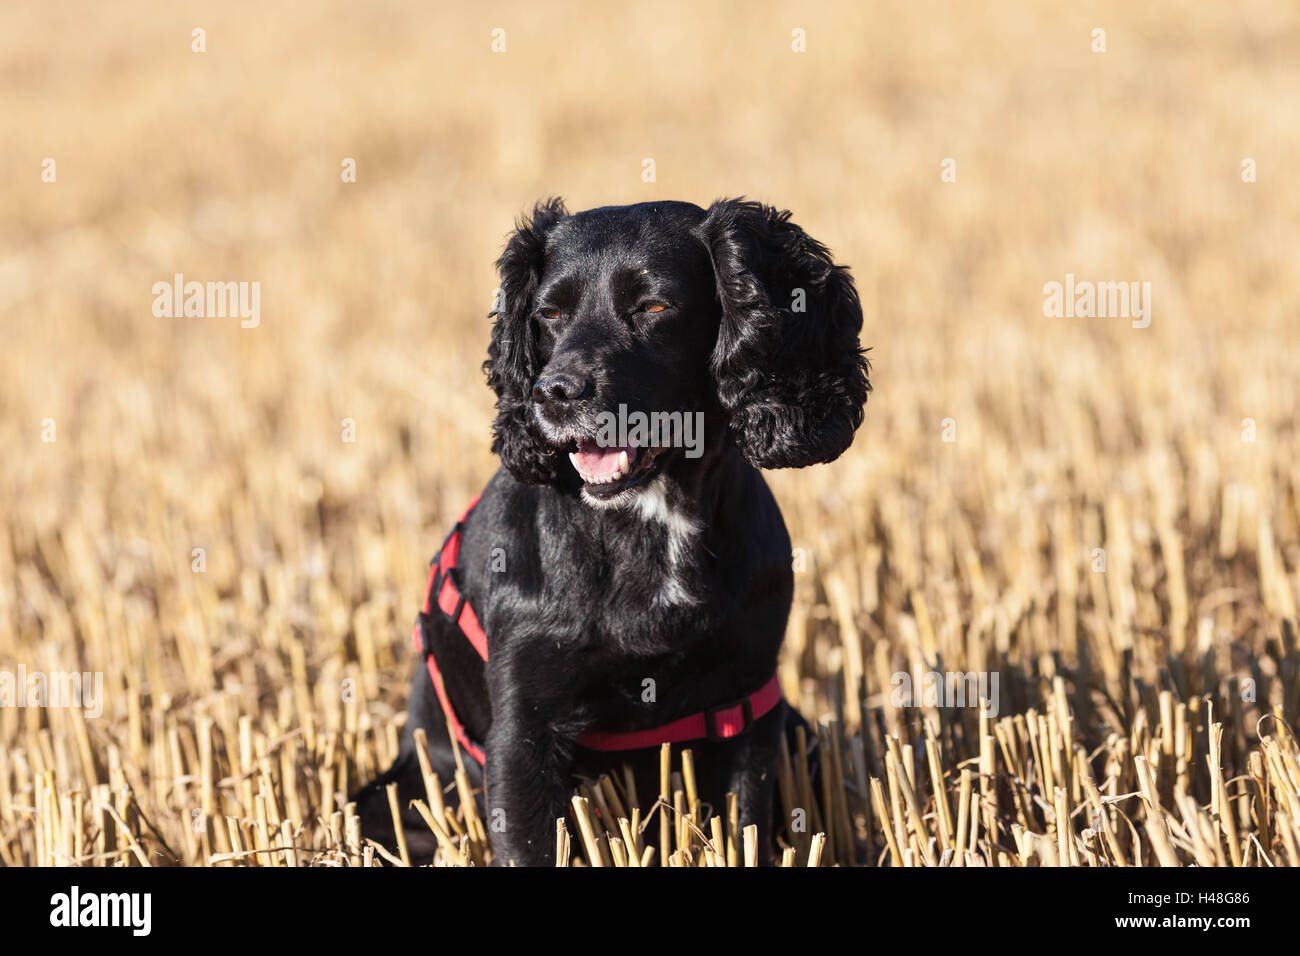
717 723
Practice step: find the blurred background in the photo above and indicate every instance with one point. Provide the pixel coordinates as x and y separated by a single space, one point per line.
176 434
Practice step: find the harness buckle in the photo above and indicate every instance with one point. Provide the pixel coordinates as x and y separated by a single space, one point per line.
710 719
460 606
456 529
423 624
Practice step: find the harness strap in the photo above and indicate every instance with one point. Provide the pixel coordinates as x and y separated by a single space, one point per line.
443 591
471 748
716 723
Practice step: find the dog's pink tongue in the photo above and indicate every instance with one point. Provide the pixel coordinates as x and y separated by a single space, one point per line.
594 460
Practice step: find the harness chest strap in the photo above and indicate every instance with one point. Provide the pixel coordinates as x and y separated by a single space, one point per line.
717 723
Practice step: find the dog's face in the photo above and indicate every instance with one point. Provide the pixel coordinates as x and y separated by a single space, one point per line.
620 331
626 317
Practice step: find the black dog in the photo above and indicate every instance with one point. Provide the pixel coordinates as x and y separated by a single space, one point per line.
628 583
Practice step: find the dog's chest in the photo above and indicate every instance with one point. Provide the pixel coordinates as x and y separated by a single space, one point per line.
646 584
674 555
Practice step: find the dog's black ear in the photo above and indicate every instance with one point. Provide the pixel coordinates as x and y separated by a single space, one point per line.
512 364
790 372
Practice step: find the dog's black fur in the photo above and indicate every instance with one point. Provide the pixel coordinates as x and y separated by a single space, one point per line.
680 574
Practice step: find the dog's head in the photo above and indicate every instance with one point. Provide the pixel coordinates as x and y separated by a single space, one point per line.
618 330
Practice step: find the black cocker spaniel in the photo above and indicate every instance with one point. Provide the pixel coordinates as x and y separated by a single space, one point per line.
626 576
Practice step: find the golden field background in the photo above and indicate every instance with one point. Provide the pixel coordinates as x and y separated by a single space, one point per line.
240 700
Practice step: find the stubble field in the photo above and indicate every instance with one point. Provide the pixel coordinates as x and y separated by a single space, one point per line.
229 525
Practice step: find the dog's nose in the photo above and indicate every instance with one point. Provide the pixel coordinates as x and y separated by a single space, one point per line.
559 387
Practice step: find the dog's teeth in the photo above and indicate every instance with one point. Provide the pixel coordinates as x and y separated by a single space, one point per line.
573 457
622 464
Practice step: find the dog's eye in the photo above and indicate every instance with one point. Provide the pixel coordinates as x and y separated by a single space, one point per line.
652 307
549 314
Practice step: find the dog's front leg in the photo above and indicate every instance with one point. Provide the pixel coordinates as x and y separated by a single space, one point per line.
527 781
753 778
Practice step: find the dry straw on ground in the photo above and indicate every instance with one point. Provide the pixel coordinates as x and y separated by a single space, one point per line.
1146 712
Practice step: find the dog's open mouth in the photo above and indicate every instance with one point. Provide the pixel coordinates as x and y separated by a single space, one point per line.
607 471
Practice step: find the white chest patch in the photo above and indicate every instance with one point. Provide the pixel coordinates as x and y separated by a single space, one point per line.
682 529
